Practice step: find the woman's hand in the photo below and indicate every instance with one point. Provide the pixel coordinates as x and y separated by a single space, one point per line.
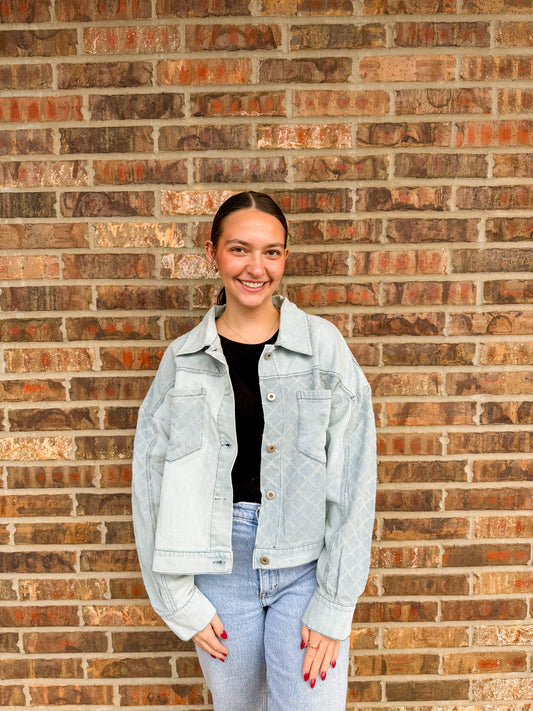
208 639
321 653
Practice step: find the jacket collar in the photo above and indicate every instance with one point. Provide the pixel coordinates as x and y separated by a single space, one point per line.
293 330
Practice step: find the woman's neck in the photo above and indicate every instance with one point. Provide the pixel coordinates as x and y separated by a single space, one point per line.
248 325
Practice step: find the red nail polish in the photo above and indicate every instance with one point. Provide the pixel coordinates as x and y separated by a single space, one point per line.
222 660
333 663
213 656
306 676
224 634
312 683
302 644
323 676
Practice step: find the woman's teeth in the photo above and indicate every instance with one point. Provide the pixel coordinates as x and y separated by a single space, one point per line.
252 284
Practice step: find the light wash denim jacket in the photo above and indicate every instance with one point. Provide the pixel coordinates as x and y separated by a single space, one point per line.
318 470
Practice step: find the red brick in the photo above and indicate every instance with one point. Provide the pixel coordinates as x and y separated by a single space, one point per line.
484 498
503 583
26 76
99 504
240 170
433 230
488 609
494 323
50 477
115 560
506 353
401 262
41 668
337 36
28 267
120 616
162 105
403 500
396 612
28 360
508 165
101 447
501 688
32 390
476 100
440 165
515 101
508 291
109 388
332 294
420 414
403 198
513 413
9 643
306 7
160 695
474 134
403 134
107 204
322 69
364 691
149 641
104 74
44 236
138 40
75 694
400 585
64 642
327 168
497 383
514 34
139 234
317 263
113 329
12 695
209 71
115 475
232 38
495 6
40 616
121 532
424 529
35 140
413 637
233 104
40 174
37 43
400 324
106 139
291 136
442 34
403 384
326 231
13 205
490 442
425 293
496 68
409 444
408 7
503 470
131 358
35 419
30 12
204 137
65 533
432 471
340 102
34 562
428 68
124 172
479 555
201 8
132 667
45 298
107 266
92 10
36 505
405 557
21 330
496 635
424 691
153 298
396 664
502 197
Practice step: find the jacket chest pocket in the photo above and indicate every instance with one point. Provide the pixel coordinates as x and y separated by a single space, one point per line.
187 413
313 418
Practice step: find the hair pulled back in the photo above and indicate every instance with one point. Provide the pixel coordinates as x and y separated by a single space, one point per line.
244 201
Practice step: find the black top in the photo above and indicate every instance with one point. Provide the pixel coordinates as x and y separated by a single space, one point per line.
243 364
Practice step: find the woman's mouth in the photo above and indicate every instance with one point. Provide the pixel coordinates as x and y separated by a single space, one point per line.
252 284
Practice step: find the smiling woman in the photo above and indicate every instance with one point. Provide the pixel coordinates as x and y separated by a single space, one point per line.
255 457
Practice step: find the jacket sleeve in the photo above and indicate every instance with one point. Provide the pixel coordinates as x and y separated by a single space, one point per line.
342 567
175 598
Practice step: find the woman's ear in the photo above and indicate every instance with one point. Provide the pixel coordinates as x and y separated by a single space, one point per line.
210 251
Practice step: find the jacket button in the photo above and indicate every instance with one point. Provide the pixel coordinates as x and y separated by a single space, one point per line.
271 494
268 355
271 396
271 448
264 560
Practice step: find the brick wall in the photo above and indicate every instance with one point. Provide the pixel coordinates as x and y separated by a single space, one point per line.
397 135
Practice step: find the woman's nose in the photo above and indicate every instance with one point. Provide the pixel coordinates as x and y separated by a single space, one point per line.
255 264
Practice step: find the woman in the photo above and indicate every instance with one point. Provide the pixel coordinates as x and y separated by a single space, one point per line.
254 482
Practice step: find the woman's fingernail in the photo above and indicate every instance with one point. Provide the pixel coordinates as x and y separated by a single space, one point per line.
224 634
213 656
333 663
312 683
306 676
223 659
323 675
302 644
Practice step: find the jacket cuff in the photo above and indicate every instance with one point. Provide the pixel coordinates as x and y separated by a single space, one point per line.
328 618
192 617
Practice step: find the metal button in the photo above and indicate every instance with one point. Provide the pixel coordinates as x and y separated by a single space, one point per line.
271 396
268 355
271 448
271 494
264 560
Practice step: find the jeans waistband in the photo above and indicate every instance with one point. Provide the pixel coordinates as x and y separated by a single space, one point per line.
246 510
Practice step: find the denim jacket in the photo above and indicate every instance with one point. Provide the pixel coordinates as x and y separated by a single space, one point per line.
318 470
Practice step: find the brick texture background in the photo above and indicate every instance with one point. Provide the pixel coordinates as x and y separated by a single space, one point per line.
398 137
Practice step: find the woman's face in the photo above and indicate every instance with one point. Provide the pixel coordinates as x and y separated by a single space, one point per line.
250 255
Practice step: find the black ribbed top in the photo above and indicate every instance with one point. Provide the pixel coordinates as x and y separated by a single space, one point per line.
243 363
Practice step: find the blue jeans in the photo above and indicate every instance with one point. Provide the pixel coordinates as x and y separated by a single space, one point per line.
261 611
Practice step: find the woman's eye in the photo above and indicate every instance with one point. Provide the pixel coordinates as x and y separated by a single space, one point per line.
274 253
238 250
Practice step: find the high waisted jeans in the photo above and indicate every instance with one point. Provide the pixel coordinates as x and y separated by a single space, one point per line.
261 611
